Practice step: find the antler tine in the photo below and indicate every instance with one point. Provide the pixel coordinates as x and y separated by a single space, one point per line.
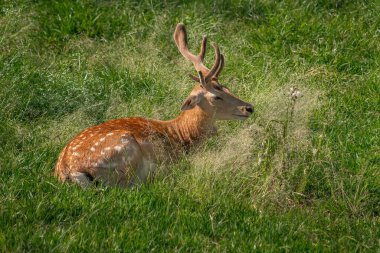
214 68
203 82
221 65
203 48
220 68
180 38
194 78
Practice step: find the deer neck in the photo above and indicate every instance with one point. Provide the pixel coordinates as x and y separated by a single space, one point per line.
190 126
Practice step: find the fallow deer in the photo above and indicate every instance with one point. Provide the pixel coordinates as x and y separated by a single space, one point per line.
125 151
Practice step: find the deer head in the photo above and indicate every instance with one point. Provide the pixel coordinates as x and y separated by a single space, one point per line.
214 98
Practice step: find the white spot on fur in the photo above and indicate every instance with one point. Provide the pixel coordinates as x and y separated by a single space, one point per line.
97 143
92 149
76 154
118 148
102 139
109 134
107 149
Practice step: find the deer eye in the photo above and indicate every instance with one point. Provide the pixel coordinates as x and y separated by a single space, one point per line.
218 98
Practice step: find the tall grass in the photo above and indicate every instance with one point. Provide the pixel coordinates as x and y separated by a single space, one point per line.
301 175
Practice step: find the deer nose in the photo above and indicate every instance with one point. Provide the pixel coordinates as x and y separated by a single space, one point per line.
249 108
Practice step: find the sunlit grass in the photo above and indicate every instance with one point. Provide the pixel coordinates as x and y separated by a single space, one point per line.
68 65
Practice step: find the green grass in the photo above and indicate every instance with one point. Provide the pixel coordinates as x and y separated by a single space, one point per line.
67 66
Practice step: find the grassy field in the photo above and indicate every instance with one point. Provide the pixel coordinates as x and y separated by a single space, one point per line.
285 180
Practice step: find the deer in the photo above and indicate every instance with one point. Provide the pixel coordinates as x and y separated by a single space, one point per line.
124 152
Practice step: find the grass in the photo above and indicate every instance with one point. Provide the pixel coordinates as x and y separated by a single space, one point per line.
67 66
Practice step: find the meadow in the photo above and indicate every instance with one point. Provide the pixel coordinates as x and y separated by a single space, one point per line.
298 176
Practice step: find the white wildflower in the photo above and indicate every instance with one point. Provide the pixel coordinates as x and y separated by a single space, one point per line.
295 93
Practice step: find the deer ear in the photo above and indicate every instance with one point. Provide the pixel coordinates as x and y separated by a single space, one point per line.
190 102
